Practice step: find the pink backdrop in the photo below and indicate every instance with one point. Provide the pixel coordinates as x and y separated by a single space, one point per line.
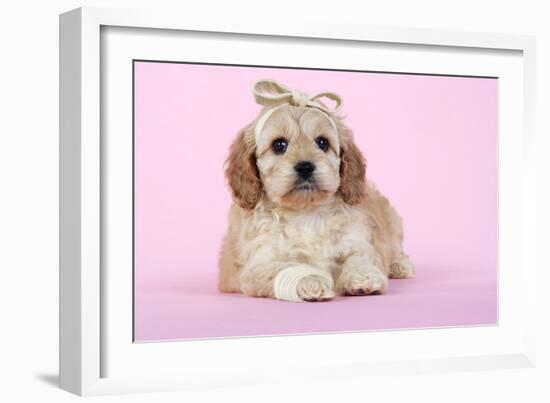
431 146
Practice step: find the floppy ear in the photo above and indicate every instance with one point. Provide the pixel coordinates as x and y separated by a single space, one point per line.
241 170
352 169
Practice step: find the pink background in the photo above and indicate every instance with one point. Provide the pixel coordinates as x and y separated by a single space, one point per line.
431 146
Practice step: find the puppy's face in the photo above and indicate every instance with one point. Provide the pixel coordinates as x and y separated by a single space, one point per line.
300 158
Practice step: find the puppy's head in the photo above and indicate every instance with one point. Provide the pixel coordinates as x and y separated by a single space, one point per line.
295 156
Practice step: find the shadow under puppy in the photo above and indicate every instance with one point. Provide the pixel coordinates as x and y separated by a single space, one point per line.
305 225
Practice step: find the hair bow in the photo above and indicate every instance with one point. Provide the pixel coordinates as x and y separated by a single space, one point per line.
272 94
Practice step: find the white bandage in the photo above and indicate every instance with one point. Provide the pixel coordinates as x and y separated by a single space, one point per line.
285 285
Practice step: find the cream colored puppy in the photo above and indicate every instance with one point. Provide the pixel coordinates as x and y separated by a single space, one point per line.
305 225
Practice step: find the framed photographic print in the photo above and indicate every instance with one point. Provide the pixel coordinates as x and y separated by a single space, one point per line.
238 199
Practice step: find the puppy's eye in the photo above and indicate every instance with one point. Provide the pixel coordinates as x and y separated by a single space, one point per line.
322 143
279 146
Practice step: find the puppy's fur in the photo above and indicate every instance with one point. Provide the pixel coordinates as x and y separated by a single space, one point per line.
337 225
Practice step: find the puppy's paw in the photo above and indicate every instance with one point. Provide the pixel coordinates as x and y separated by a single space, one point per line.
403 268
362 282
303 283
315 288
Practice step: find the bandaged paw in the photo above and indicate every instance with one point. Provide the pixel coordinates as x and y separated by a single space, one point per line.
303 283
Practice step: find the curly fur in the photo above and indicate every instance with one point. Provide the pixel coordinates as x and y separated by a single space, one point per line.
242 172
343 233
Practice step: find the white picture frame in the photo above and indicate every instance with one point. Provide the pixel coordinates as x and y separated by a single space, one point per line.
97 356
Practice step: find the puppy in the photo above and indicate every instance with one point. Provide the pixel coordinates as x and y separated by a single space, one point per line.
305 225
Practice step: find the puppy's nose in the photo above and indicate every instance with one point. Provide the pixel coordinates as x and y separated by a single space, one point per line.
304 169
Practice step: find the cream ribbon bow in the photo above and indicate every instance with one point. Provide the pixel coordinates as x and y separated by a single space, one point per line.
272 94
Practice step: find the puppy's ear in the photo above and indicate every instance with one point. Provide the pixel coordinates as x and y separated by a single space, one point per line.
352 169
242 172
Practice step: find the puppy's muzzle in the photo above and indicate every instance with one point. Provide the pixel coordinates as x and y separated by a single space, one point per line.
304 169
